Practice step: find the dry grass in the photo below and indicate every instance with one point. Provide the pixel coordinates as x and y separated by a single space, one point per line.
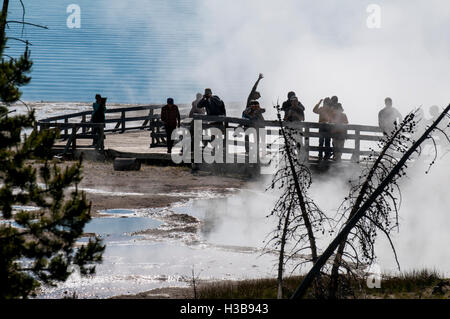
415 284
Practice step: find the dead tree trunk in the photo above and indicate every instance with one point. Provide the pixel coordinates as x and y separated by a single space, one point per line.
301 199
315 270
3 23
281 256
334 278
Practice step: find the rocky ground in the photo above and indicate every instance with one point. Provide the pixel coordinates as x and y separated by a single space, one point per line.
151 186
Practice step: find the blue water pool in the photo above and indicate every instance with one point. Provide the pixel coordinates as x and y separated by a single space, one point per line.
120 226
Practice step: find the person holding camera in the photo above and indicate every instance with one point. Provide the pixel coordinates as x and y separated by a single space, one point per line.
212 104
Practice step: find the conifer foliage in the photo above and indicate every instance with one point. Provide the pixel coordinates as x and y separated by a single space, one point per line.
37 246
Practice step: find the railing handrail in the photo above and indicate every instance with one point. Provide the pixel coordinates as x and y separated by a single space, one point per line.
227 119
354 132
275 123
113 110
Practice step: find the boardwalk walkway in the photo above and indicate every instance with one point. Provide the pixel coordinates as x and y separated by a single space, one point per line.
138 132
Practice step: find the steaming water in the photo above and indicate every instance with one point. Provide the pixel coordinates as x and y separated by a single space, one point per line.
228 245
232 233
118 226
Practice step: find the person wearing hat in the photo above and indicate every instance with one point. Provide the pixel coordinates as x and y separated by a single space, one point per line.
254 95
212 104
170 116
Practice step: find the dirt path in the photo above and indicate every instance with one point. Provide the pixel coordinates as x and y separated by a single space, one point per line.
152 186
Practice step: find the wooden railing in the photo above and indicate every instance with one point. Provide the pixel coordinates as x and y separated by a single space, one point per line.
80 122
121 121
309 132
94 131
78 126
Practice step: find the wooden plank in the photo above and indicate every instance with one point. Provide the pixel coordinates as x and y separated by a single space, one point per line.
356 154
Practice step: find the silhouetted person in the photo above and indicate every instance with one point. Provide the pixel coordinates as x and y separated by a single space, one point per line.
254 112
334 101
388 117
287 104
295 111
170 116
195 109
324 117
339 133
98 116
212 104
254 95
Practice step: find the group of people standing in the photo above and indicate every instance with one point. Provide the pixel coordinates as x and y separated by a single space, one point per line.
330 111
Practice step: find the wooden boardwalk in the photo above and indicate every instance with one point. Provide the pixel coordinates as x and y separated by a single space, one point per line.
137 132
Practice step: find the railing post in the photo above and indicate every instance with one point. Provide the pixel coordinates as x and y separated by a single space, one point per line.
101 134
356 153
257 144
66 121
123 121
247 146
191 131
306 146
74 137
150 114
83 120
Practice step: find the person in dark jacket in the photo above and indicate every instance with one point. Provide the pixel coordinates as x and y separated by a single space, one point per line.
295 111
99 108
287 104
170 116
212 103
98 115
